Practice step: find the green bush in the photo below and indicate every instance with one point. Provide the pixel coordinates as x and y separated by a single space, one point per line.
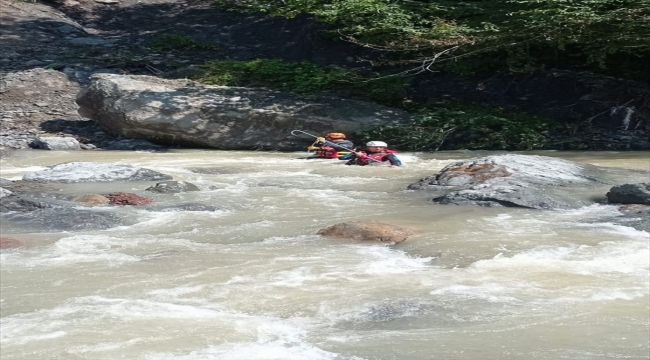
301 78
447 126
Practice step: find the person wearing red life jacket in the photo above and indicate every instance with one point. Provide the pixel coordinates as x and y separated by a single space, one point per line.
374 152
330 145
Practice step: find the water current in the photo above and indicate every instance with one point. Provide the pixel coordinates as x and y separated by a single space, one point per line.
252 280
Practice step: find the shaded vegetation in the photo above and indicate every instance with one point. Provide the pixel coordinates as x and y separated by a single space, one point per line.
610 36
452 126
303 78
164 42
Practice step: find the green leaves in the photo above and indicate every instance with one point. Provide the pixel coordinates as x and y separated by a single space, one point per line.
464 126
517 35
302 78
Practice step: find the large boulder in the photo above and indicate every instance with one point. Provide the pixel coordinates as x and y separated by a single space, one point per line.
56 143
75 172
630 194
231 118
367 230
526 181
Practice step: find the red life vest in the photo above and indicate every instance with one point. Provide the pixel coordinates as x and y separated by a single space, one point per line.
327 152
373 157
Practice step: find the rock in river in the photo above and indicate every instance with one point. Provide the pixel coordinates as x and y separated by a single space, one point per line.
75 172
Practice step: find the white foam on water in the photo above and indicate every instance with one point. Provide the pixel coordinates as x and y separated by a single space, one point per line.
331 198
382 260
273 339
72 250
104 346
94 249
607 257
489 291
16 173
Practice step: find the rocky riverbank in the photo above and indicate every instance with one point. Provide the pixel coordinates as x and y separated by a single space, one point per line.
51 48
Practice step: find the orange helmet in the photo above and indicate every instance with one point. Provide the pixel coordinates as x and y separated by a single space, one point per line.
335 136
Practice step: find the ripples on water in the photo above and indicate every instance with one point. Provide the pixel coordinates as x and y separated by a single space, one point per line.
252 281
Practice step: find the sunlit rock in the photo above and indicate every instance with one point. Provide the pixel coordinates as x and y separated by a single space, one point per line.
56 143
537 182
367 230
122 198
4 192
630 194
231 118
91 200
75 172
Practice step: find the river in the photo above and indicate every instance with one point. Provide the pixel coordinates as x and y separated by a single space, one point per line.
253 281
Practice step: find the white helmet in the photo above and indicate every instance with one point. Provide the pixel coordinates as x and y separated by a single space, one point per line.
376 143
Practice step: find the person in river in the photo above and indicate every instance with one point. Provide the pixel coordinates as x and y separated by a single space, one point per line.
332 146
374 152
336 141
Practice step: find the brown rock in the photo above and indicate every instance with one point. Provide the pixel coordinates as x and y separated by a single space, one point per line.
122 198
367 230
10 243
91 200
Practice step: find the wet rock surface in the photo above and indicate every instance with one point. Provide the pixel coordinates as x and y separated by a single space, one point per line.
367 230
630 194
94 172
123 198
173 187
56 143
535 182
91 200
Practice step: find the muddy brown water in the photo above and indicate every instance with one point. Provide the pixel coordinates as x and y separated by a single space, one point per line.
253 281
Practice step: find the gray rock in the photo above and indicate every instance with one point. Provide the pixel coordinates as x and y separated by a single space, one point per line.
63 219
5 182
56 143
181 112
18 204
536 182
94 172
66 29
190 207
630 194
171 187
4 192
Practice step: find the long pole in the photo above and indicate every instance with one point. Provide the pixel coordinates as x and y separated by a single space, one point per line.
329 142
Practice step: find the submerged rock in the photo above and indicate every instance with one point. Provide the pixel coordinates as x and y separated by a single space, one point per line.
74 172
630 194
367 230
91 200
5 182
63 219
10 243
511 181
171 187
122 198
